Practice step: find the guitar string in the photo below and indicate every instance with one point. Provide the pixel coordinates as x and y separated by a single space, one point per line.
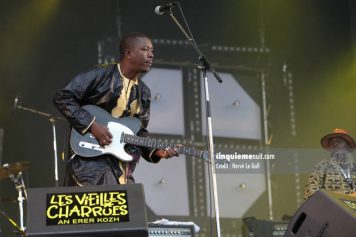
149 142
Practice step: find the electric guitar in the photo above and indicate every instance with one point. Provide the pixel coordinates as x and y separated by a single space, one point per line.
124 132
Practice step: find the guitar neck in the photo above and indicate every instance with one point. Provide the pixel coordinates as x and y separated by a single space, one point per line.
152 143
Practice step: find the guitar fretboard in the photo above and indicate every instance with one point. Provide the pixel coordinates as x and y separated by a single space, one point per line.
153 143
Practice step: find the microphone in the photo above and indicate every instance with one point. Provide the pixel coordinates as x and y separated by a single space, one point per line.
160 10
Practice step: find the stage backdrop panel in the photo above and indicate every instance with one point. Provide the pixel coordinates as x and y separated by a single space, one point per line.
167 112
235 113
166 186
237 193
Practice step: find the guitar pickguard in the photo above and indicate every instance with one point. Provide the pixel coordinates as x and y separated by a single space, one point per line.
87 146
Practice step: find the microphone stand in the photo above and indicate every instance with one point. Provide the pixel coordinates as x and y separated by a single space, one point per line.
20 188
52 120
17 179
206 66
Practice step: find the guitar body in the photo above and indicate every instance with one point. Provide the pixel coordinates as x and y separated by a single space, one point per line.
124 132
87 146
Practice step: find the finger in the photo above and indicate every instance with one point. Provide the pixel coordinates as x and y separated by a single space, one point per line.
104 141
175 151
170 152
164 154
167 153
108 140
109 134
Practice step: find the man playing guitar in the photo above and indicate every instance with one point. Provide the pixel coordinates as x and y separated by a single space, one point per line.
118 90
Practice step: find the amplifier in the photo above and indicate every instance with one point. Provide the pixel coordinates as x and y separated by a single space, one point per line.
263 228
155 230
107 210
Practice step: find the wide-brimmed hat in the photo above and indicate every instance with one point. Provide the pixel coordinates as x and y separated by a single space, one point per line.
340 133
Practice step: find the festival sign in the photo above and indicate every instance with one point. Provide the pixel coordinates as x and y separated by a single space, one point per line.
87 208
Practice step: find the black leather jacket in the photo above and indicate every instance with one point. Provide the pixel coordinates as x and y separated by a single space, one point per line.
101 87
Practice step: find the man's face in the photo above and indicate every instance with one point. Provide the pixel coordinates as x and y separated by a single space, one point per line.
141 55
337 143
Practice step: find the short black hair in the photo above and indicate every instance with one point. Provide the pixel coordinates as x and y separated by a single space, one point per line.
129 40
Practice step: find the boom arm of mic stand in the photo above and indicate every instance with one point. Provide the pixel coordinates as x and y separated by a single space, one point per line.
52 120
39 112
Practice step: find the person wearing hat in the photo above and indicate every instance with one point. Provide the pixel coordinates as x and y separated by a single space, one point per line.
337 173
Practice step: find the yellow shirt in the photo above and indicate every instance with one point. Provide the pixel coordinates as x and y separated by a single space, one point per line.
122 106
122 102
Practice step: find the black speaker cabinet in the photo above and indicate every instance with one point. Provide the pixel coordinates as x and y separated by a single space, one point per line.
110 211
325 214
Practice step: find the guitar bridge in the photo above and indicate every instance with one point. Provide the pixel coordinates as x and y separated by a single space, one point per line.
90 146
